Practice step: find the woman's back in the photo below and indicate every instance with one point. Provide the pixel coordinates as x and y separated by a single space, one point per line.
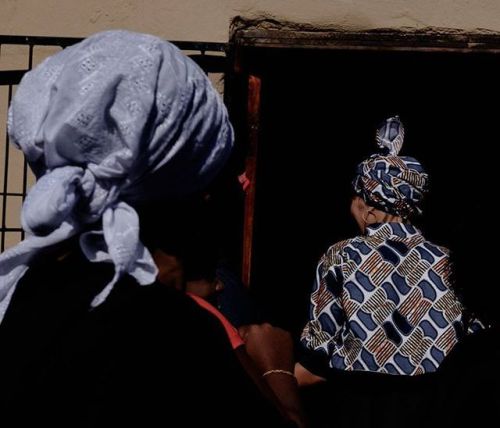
386 299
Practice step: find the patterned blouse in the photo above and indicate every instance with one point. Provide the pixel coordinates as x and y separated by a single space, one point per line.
383 303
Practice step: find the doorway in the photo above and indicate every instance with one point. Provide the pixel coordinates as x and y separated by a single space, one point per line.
319 110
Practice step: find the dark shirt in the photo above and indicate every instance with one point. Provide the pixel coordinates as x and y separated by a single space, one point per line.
148 356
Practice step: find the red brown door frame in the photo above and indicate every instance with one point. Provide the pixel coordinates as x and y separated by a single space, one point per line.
253 111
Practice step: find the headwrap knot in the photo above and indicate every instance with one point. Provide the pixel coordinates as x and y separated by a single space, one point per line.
392 183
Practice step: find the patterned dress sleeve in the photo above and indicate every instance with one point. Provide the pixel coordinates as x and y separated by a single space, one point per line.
326 314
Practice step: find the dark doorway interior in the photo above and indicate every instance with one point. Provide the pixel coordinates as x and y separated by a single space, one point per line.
320 110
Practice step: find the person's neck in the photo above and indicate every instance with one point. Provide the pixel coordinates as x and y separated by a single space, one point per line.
379 216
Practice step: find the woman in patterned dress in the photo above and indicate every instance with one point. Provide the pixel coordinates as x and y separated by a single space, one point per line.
382 303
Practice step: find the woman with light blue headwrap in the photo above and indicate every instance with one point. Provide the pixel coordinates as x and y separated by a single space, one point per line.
90 338
115 120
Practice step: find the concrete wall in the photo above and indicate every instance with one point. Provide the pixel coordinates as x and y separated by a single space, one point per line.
210 20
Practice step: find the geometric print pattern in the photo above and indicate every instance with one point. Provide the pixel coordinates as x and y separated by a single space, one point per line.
390 136
395 184
383 303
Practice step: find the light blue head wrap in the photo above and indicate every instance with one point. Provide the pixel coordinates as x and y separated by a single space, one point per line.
117 119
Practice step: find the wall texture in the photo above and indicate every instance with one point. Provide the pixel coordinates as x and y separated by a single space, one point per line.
210 20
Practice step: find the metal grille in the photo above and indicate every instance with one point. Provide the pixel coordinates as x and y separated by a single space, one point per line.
20 54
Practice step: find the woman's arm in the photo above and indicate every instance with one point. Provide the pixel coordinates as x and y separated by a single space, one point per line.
305 377
271 350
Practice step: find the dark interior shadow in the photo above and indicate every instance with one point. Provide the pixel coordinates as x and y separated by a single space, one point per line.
320 110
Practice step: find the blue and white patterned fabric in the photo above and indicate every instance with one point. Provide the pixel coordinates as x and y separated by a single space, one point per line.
383 303
117 119
390 136
392 183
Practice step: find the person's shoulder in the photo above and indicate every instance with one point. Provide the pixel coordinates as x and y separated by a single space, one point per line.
435 249
340 246
335 252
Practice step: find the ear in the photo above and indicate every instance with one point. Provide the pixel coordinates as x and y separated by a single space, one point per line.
371 214
360 202
369 209
365 208
358 211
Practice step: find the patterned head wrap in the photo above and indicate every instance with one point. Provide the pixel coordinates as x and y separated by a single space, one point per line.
395 184
117 119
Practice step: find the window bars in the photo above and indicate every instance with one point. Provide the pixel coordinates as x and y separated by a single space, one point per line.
18 54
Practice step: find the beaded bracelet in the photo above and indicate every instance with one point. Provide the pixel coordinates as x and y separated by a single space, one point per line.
278 371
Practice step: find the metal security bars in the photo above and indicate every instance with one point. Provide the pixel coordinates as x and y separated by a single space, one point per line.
18 54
